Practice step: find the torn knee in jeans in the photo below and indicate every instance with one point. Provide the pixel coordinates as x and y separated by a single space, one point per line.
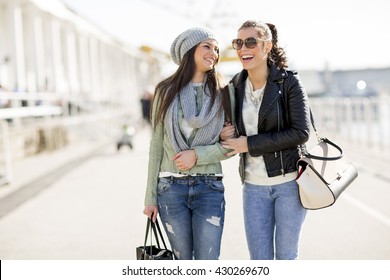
216 221
169 228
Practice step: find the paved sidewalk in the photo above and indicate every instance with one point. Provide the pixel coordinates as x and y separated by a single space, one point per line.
91 208
31 168
33 174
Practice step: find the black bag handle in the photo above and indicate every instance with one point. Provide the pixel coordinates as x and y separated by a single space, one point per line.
157 225
326 140
146 238
153 231
320 139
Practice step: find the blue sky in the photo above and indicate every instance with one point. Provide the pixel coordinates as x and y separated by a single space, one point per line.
340 34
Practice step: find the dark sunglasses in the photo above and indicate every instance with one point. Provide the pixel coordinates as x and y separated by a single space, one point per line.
250 43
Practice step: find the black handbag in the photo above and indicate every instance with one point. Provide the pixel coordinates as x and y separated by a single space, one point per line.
323 173
153 252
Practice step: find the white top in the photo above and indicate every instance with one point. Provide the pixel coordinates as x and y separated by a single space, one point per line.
255 171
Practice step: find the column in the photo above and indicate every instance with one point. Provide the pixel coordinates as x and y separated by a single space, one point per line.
59 85
17 73
39 53
73 74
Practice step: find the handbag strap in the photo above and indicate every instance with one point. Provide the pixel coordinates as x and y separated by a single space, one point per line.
150 225
147 230
153 231
323 139
320 139
326 140
157 225
146 238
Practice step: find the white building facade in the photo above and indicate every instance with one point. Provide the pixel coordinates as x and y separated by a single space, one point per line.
62 76
51 56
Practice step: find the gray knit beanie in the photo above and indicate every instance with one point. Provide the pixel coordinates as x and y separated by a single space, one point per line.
187 40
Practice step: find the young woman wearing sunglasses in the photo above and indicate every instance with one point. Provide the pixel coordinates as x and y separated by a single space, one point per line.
272 120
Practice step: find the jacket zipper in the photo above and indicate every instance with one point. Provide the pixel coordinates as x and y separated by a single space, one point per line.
280 152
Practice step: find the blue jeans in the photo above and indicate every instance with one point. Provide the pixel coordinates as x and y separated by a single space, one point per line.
192 211
273 218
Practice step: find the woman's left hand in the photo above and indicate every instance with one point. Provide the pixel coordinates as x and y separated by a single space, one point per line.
237 145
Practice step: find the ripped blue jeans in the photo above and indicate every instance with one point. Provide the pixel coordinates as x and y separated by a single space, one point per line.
192 210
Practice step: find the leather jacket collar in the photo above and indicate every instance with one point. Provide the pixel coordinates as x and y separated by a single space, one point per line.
275 74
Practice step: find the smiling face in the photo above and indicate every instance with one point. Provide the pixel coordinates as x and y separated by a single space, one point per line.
252 58
206 55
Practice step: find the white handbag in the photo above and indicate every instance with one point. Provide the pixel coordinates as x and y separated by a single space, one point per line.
323 174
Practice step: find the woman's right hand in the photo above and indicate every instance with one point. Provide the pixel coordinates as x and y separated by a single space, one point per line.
227 132
151 211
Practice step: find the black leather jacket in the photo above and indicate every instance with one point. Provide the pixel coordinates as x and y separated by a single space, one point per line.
283 121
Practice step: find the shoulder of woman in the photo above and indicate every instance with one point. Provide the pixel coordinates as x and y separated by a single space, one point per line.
239 78
292 75
292 71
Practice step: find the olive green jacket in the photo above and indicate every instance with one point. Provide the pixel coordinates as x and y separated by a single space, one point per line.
161 153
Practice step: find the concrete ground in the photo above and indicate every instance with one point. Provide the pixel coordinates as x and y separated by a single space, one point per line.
86 202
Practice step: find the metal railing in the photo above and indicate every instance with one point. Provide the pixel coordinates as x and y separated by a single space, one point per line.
364 121
42 129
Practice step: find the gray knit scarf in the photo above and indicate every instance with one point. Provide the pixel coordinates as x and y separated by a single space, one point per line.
207 122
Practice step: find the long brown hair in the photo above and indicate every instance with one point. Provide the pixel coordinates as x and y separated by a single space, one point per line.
168 88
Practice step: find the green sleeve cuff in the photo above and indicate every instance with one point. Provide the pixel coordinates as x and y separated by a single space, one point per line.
210 154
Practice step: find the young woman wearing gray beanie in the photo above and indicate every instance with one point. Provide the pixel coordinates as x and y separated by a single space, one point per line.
184 174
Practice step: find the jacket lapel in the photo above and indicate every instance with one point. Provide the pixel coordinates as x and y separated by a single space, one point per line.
271 95
239 84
